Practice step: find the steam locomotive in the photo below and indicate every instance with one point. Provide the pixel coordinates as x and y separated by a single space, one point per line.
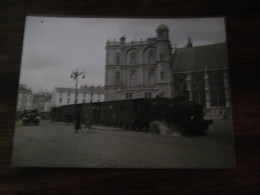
137 114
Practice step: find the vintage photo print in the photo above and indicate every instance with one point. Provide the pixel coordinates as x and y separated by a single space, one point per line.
124 93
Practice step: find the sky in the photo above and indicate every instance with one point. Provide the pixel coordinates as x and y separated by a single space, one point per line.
53 47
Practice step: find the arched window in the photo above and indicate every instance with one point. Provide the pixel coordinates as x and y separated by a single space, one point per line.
151 78
133 58
117 78
117 59
133 79
150 58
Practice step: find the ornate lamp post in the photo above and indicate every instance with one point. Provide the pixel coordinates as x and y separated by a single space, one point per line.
74 75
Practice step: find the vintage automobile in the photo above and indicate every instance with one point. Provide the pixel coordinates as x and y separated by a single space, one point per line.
30 117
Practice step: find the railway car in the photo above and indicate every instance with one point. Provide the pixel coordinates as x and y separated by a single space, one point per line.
134 114
55 114
117 113
91 111
137 114
68 113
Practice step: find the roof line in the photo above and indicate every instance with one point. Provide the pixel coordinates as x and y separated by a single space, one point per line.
201 45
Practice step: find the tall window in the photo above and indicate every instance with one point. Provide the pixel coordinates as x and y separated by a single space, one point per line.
148 94
217 93
128 95
133 58
197 87
150 58
117 78
133 79
180 84
161 57
151 78
162 75
117 59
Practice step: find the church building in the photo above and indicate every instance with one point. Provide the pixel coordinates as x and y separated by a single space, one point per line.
201 72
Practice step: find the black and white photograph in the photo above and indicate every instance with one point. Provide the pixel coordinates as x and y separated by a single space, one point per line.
124 93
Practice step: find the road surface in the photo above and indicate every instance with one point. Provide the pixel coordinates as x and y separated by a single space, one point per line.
57 145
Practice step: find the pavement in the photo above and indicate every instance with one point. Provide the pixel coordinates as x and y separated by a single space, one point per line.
57 145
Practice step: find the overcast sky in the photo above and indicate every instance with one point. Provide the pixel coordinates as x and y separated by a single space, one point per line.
54 46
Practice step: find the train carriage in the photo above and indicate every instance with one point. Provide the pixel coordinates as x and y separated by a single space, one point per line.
68 113
91 111
137 114
117 113
96 113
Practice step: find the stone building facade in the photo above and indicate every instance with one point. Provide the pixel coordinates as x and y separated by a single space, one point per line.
41 101
25 98
202 74
139 69
85 94
149 69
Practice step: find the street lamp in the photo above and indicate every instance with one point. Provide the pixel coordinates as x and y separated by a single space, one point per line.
74 75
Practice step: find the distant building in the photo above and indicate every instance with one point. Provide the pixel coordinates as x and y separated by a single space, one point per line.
25 98
85 94
41 101
139 69
202 73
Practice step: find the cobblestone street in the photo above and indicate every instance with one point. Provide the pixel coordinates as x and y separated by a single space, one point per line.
57 145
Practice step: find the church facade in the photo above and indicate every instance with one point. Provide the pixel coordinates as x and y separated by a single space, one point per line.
149 69
139 69
202 73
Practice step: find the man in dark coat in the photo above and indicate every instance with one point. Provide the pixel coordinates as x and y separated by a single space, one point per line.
77 119
87 122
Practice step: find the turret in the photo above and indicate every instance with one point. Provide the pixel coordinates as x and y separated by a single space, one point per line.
162 32
163 43
122 40
189 44
163 55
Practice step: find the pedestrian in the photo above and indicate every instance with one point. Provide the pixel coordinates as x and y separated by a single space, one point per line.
87 122
77 119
